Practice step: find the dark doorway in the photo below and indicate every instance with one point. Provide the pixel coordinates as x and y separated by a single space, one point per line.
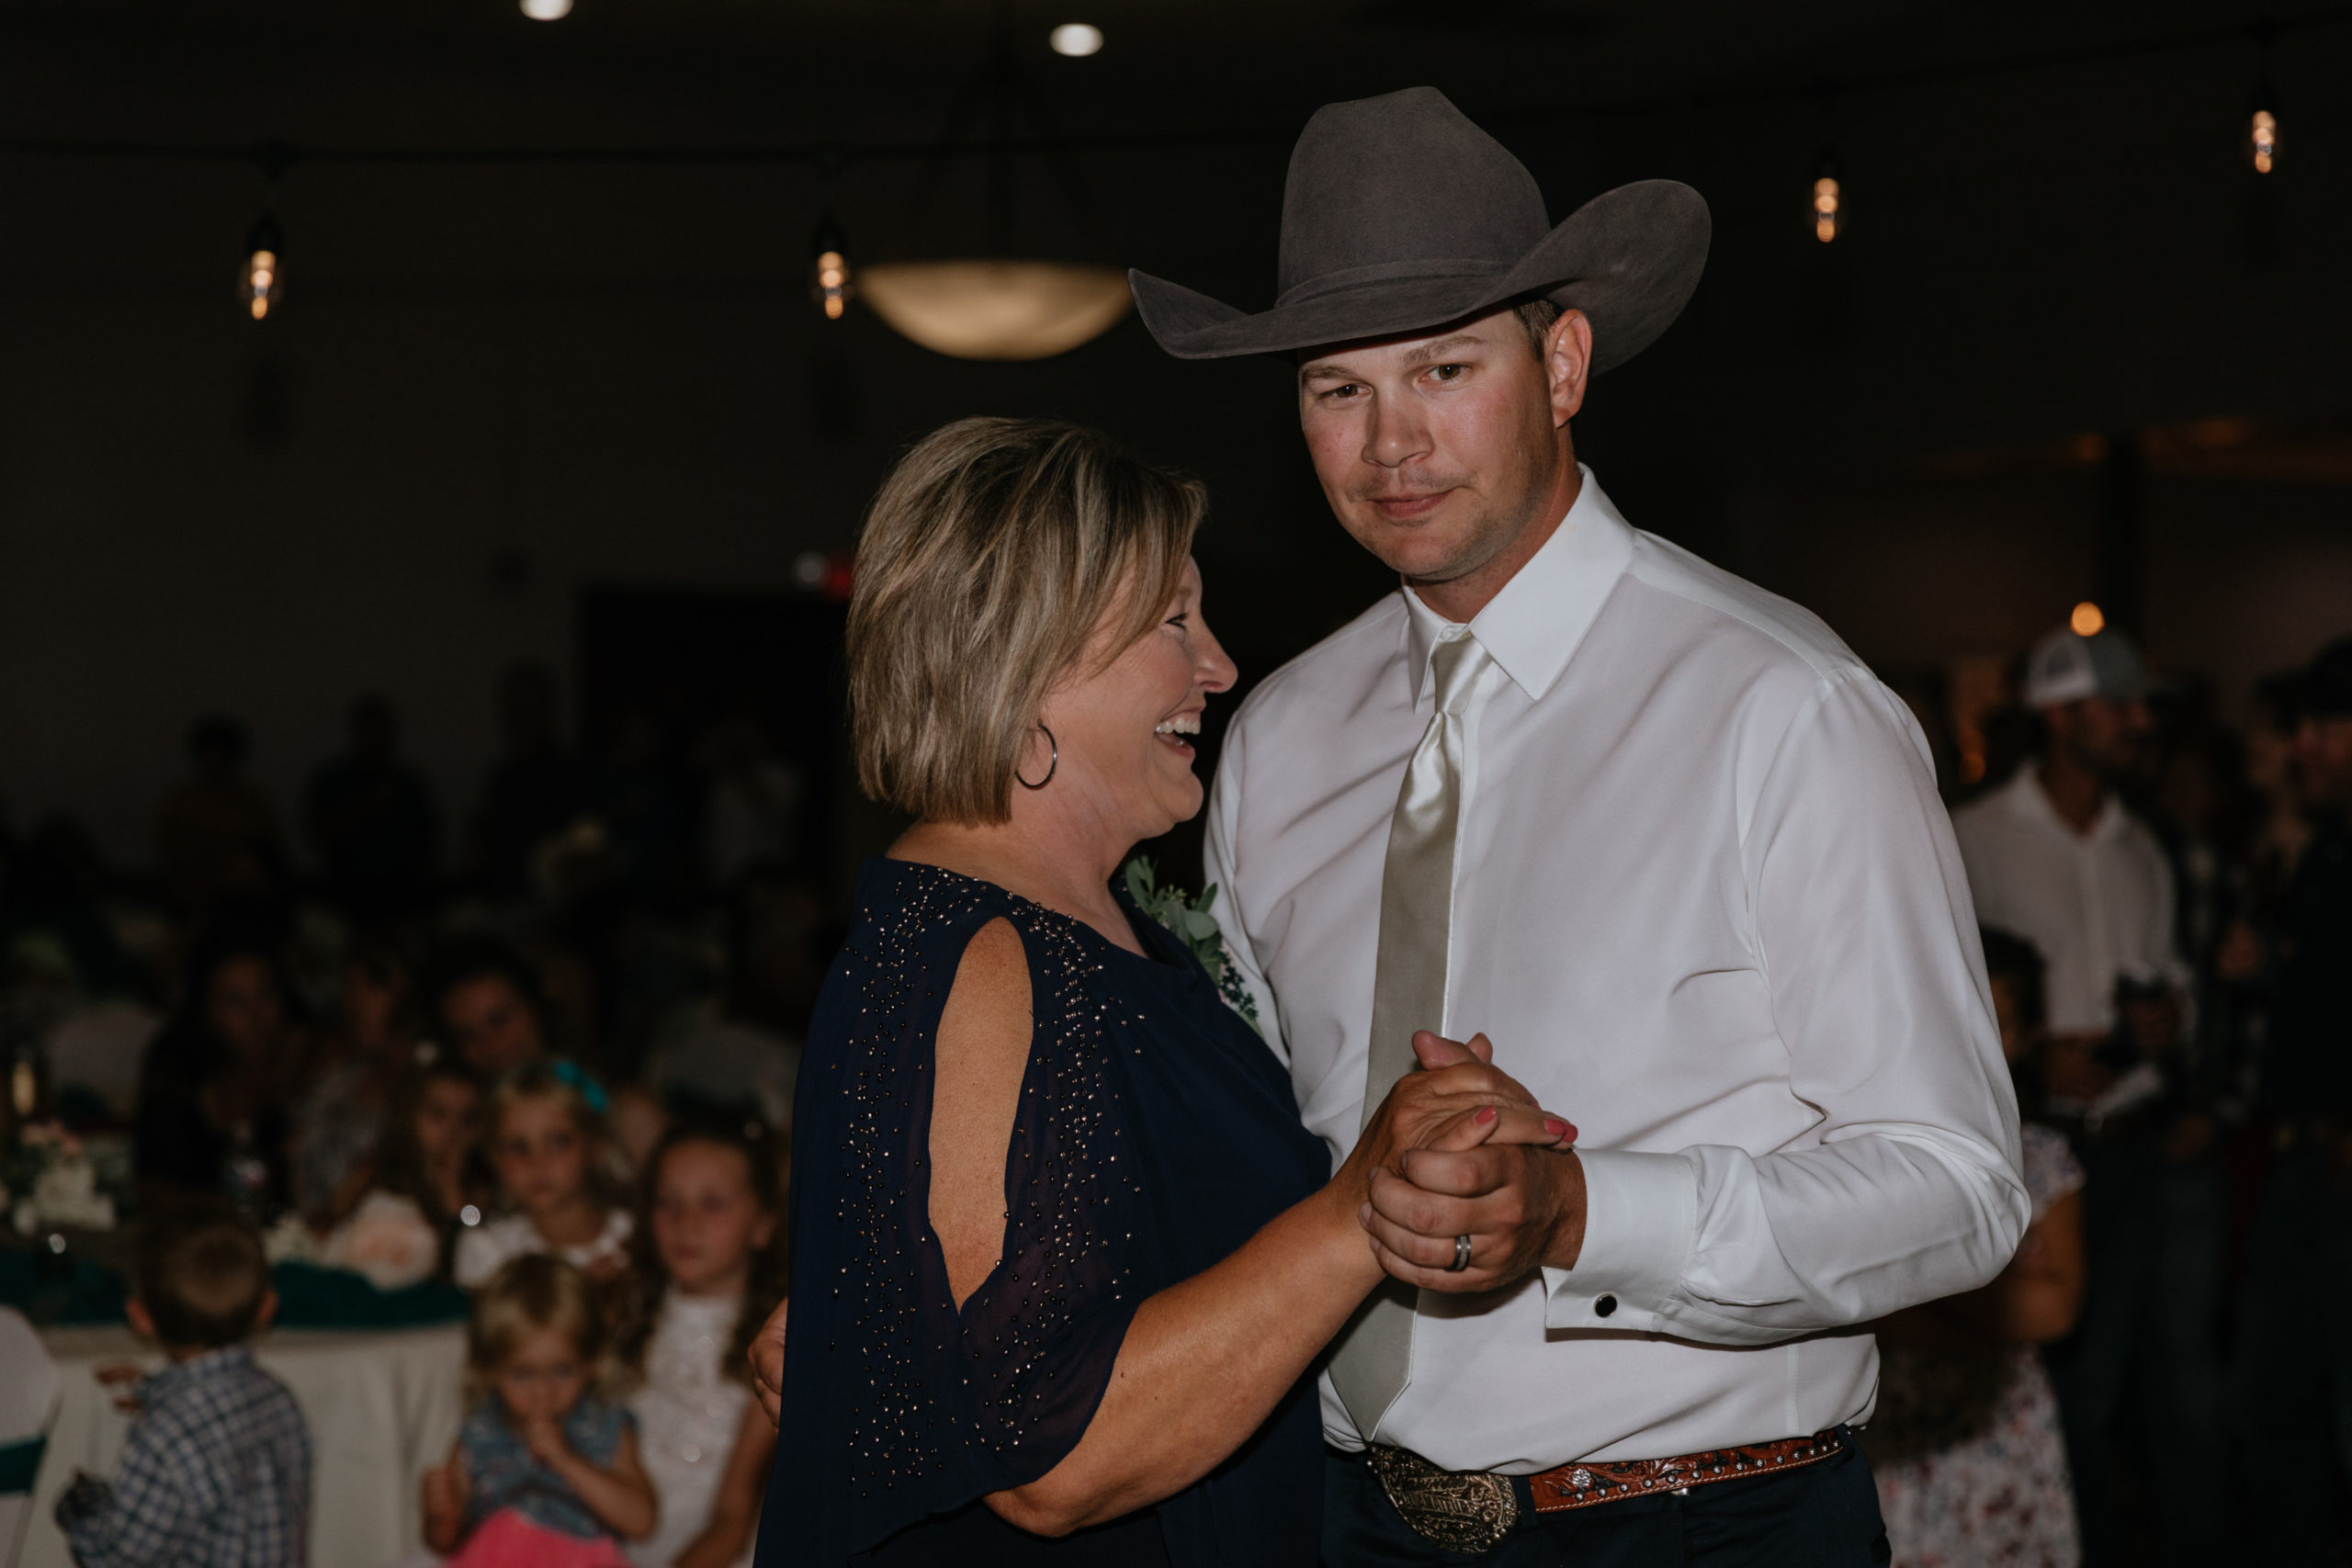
699 664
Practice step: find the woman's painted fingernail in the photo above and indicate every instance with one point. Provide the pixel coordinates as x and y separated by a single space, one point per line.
1559 1129
1484 1114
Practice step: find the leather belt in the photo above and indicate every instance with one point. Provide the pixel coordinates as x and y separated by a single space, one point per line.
1473 1510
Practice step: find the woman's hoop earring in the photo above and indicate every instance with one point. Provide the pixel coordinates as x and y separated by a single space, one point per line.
1051 769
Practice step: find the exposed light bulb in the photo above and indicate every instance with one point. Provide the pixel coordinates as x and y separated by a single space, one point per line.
546 11
2263 139
1828 208
1075 40
264 278
2087 620
829 276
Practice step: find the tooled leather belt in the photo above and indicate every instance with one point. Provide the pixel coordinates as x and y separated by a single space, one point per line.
1472 1510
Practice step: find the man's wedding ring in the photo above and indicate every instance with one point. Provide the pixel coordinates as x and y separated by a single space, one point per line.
1461 1254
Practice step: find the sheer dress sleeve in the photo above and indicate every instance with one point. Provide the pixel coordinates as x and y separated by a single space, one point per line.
898 1406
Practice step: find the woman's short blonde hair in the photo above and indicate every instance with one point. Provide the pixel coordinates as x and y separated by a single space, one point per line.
991 555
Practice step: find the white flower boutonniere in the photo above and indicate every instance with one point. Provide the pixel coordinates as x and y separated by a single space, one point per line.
1197 928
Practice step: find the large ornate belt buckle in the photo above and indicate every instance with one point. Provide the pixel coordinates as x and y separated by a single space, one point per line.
1461 1510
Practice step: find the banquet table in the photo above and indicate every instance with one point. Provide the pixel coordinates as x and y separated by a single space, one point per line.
381 1408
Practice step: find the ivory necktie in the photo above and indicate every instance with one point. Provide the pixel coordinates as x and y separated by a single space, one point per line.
1375 1351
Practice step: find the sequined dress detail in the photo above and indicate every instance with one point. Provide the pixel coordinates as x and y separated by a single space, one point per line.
1156 1133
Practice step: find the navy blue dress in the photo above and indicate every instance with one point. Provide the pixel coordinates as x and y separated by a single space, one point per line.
1156 1133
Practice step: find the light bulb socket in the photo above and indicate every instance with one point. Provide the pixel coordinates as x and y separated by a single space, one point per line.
265 235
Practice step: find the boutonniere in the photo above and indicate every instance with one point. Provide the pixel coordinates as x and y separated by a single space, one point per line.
1190 919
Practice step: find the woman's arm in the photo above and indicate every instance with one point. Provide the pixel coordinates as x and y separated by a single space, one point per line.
736 1509
2041 1293
617 1494
1204 1361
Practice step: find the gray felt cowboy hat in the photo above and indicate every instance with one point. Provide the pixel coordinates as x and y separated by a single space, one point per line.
1400 216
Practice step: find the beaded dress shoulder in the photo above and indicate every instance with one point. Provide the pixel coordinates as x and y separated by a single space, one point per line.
1155 1134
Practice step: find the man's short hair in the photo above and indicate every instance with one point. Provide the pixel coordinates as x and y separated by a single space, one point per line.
989 556
1535 318
201 1279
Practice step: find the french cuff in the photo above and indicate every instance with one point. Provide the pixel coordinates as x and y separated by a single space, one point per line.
1641 1222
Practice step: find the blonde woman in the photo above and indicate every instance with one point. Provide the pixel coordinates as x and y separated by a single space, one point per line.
1063 1253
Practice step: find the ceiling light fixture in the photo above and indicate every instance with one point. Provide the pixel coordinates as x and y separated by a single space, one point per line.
1829 200
2263 140
546 11
1075 40
264 278
2262 124
997 309
999 305
828 274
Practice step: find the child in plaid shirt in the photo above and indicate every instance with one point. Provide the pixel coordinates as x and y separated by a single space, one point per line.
216 1472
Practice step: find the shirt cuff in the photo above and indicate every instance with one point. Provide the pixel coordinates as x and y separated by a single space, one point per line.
1640 1220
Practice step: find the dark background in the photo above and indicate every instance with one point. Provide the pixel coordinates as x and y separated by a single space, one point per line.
582 410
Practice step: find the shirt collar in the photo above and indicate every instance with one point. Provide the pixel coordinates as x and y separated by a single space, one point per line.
1533 627
195 1369
2032 801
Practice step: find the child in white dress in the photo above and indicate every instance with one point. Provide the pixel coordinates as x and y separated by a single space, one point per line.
554 1157
709 1268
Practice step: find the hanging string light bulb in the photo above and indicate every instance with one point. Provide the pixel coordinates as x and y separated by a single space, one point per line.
2263 139
828 280
264 278
2262 122
1829 200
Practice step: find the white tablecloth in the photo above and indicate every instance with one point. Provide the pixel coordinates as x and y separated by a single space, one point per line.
381 1408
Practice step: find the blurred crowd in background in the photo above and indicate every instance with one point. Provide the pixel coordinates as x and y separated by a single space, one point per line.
306 1007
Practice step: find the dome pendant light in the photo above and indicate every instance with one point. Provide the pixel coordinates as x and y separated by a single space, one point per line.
1000 306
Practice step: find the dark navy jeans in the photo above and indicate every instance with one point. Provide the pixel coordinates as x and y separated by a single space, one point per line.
1819 1516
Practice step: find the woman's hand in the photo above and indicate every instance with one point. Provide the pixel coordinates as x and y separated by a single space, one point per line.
1508 1179
1458 1101
767 1355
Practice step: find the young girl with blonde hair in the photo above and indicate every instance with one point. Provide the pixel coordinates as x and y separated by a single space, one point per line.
553 1157
546 1473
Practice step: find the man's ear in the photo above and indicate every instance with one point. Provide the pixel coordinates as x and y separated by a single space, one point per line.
265 1314
1568 362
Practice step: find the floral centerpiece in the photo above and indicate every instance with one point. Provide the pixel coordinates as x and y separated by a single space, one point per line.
50 1180
1190 919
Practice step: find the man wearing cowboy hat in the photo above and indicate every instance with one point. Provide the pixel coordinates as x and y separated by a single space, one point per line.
1655 834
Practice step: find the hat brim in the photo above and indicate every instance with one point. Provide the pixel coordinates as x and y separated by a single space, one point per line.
1629 259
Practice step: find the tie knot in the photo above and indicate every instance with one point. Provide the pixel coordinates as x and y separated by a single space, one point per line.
1454 665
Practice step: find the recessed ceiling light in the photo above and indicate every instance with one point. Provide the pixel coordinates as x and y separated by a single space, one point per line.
546 11
1076 38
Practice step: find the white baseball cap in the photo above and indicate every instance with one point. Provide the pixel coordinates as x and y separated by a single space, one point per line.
2065 667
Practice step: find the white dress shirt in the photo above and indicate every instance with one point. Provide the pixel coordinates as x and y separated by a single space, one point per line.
2097 905
1708 907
